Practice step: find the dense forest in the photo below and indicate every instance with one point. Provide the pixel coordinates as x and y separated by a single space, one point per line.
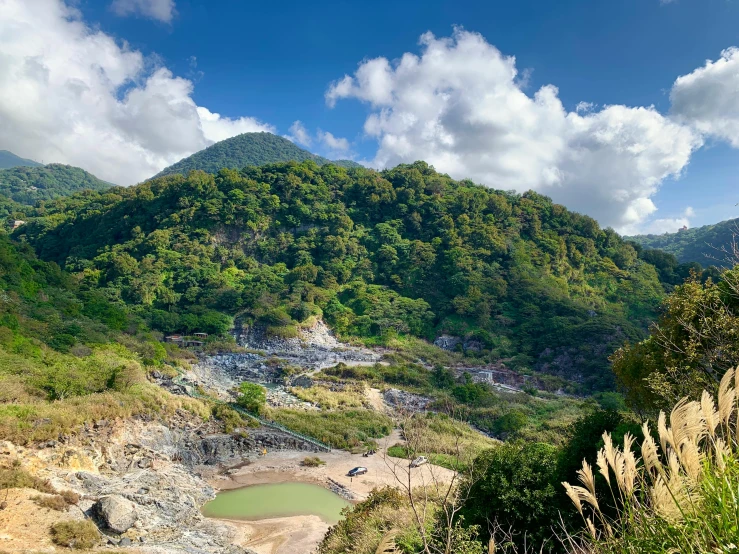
28 185
707 245
248 149
8 159
378 255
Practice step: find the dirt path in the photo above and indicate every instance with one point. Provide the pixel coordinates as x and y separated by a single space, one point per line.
375 399
303 533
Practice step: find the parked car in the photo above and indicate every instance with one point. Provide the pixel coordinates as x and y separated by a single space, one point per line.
357 471
419 461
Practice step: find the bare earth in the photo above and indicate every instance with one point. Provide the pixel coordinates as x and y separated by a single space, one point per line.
302 534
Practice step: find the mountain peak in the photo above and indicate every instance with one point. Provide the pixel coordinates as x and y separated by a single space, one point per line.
248 149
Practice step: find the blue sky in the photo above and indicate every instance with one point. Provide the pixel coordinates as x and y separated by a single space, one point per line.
274 62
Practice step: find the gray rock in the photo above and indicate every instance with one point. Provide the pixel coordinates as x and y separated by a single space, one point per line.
125 541
118 513
447 342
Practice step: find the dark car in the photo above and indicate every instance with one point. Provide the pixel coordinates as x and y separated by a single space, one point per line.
357 471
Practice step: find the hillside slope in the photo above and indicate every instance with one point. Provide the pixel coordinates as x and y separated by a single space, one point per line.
28 185
247 149
380 256
8 159
701 244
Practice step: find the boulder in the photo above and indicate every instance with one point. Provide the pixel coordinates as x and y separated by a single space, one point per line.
118 513
447 342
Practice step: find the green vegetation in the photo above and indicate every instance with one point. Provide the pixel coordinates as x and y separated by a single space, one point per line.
8 159
80 535
68 355
245 150
707 245
677 493
28 185
442 439
17 478
327 399
338 428
694 341
544 417
382 257
252 397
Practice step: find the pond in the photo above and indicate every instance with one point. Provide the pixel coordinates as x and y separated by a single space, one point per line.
277 500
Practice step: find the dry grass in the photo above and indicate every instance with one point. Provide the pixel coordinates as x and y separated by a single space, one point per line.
327 399
680 495
39 420
80 535
52 502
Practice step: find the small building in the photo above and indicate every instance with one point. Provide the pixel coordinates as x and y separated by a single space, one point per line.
173 338
193 343
17 223
201 335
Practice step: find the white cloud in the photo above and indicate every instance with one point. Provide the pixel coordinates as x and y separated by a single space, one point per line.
161 10
299 134
334 146
669 225
72 94
460 106
708 98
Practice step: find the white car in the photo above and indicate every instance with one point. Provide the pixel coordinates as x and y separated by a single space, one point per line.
419 461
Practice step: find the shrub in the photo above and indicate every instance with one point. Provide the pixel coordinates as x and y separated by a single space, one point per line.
312 461
80 535
70 497
680 496
53 502
252 397
17 478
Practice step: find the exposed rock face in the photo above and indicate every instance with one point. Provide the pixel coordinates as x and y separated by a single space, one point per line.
452 343
402 400
118 513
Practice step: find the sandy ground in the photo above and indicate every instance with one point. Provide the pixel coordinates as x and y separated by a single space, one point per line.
302 534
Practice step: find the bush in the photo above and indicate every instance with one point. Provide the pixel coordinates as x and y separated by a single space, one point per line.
516 490
80 535
17 478
54 502
252 397
312 461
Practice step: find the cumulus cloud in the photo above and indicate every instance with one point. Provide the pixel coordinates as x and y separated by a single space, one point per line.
334 146
161 10
708 98
460 106
299 134
72 94
669 225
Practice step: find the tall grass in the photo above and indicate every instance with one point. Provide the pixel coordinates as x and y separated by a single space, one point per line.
337 428
681 495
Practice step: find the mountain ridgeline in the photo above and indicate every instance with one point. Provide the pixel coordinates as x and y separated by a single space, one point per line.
707 245
28 185
380 256
8 160
248 149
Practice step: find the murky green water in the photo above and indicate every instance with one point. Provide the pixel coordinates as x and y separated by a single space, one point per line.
278 500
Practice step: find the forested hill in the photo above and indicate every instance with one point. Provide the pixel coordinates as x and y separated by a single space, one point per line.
28 185
8 159
701 244
248 149
379 255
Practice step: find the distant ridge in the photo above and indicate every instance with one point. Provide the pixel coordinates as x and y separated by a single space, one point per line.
248 149
8 160
701 244
28 185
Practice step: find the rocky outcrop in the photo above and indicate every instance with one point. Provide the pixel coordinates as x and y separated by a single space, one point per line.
402 400
452 344
116 512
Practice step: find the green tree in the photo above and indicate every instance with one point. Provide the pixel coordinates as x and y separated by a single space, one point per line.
516 489
252 397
